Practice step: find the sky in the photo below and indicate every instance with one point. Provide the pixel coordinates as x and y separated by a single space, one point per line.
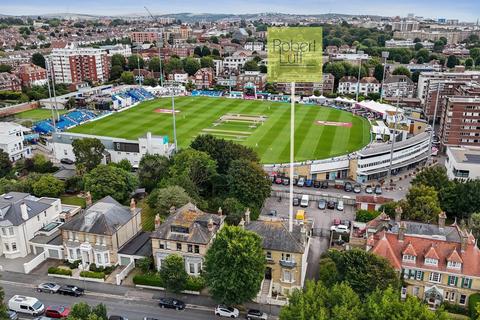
465 10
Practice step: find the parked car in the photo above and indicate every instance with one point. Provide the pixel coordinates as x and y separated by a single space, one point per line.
254 314
301 182
305 201
336 222
331 204
278 180
28 305
42 318
346 223
171 303
357 188
286 181
348 187
296 201
48 287
369 189
340 205
322 204
12 315
115 317
70 290
378 189
57 312
66 161
308 183
339 228
324 185
316 184
272 213
224 311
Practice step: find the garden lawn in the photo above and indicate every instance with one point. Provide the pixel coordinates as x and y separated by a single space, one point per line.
271 139
37 114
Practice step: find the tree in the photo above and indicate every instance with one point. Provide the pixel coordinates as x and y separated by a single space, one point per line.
206 62
475 53
435 177
151 170
197 51
116 72
5 68
215 52
161 200
38 59
88 152
316 301
111 181
365 215
402 71
251 65
3 307
223 151
173 274
195 165
424 54
378 72
5 164
214 39
135 61
474 224
48 186
438 46
234 265
422 204
154 64
191 66
248 183
205 51
173 64
118 60
452 61
418 46
82 311
127 77
234 210
365 272
123 164
468 62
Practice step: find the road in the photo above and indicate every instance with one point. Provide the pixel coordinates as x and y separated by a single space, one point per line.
134 308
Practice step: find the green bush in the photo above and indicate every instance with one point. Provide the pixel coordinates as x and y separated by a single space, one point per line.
61 271
365 215
92 274
107 270
195 283
455 308
72 265
473 300
149 279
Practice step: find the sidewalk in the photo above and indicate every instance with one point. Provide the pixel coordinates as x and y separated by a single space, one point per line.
128 291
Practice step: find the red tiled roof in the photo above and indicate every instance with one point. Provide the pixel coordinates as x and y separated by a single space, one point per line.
386 244
410 250
373 199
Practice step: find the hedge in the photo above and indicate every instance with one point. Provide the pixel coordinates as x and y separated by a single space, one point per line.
455 308
154 280
73 265
92 274
473 300
61 271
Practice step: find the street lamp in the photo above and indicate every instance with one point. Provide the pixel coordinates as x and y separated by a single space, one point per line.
360 53
385 55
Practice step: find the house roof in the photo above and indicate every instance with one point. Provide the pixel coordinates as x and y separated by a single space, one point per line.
348 79
275 236
410 250
140 245
373 199
105 217
194 221
387 244
398 78
369 80
10 212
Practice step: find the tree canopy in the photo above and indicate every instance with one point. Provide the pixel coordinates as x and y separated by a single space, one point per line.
234 265
88 152
151 170
161 200
5 164
421 204
173 274
111 181
48 186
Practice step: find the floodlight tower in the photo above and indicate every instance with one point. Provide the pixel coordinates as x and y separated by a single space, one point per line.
159 48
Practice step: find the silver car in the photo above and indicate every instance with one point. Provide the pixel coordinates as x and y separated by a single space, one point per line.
48 287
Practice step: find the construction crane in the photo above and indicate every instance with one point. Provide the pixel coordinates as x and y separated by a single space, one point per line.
159 48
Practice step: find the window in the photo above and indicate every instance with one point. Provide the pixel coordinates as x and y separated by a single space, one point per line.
10 231
467 283
189 248
7 247
197 249
431 262
191 268
161 245
452 281
287 276
179 246
452 296
463 299
435 277
99 258
269 255
408 258
415 291
70 235
4 231
38 218
286 257
419 275
107 258
454 265
70 253
447 295
14 246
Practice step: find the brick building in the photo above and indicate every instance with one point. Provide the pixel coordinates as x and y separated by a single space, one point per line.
144 36
9 81
203 78
31 74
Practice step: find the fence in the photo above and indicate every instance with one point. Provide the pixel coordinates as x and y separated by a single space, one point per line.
7 111
124 273
35 262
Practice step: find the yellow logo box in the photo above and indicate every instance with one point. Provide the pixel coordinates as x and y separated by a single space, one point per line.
294 54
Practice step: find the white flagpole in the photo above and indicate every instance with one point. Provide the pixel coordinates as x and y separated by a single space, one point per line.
292 144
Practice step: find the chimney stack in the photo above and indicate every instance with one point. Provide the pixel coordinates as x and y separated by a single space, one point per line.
88 199
303 233
247 216
463 240
172 210
398 214
210 225
133 206
24 210
241 224
157 221
441 220
401 231
220 211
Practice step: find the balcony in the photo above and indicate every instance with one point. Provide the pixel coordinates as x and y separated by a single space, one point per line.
288 263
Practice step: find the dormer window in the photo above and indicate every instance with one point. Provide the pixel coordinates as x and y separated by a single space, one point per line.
431 262
454 265
409 258
179 229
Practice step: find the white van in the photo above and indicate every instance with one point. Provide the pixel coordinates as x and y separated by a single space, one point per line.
28 305
304 201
